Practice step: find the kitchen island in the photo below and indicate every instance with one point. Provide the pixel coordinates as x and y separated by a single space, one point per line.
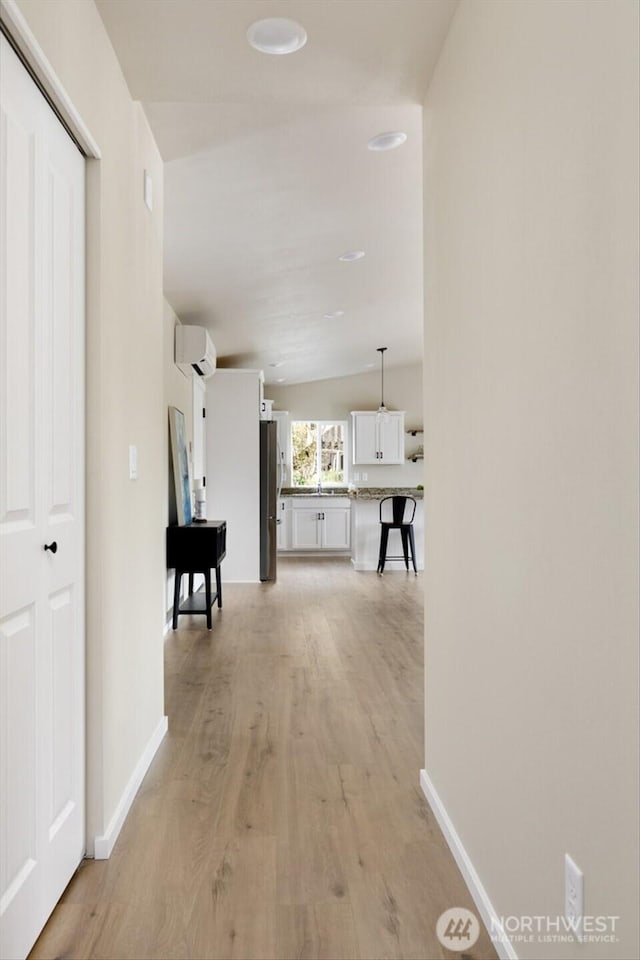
365 528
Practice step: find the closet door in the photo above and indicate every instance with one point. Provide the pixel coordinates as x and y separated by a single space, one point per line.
42 779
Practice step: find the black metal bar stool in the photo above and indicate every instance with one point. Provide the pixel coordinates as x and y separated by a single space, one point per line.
402 510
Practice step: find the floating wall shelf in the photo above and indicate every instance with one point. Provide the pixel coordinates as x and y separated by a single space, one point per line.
414 433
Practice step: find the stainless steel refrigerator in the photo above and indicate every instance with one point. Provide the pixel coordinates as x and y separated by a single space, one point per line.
269 491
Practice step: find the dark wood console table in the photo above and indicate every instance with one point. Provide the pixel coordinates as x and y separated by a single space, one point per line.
197 548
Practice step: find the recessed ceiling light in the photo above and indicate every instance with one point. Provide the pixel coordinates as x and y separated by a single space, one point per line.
334 315
276 35
387 141
352 255
369 364
280 380
278 363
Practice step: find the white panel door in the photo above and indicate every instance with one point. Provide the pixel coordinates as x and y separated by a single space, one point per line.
41 503
336 523
305 529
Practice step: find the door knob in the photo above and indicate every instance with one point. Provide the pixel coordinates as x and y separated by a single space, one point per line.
53 546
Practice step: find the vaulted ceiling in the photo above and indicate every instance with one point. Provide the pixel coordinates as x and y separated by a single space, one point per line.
268 178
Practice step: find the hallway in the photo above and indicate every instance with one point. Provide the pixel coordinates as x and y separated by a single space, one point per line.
282 816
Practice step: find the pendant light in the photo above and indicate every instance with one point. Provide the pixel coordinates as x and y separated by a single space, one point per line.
383 413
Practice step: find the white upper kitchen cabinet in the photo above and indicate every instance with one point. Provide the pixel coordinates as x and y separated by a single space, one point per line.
365 438
378 439
391 438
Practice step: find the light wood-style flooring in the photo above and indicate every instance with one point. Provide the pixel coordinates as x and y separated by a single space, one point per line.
282 816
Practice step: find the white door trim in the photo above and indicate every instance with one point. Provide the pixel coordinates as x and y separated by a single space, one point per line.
24 41
23 38
42 605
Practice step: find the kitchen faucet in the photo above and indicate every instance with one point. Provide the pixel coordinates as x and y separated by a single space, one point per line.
319 487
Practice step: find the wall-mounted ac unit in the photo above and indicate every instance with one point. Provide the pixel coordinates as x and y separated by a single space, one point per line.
195 350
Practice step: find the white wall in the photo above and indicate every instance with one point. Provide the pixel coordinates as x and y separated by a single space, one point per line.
531 401
125 519
233 468
178 392
335 399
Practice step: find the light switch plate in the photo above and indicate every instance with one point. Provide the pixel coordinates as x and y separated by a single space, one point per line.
133 462
148 190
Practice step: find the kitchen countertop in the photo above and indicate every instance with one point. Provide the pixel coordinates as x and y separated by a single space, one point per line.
312 492
377 493
354 493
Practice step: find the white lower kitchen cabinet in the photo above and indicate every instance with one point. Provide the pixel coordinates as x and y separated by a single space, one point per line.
318 524
306 531
336 528
284 523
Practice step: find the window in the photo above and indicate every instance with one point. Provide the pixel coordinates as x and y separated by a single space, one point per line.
317 453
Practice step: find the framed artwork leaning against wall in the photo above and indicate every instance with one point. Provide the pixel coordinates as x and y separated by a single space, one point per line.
180 490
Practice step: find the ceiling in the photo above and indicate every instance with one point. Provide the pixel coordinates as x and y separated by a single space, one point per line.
268 178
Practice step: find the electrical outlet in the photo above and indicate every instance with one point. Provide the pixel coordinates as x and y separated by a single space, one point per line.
573 895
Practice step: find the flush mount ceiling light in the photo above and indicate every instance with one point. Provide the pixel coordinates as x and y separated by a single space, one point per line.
387 141
334 315
352 255
277 35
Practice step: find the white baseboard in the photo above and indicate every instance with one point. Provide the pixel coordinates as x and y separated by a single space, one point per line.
491 920
104 845
371 566
314 554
